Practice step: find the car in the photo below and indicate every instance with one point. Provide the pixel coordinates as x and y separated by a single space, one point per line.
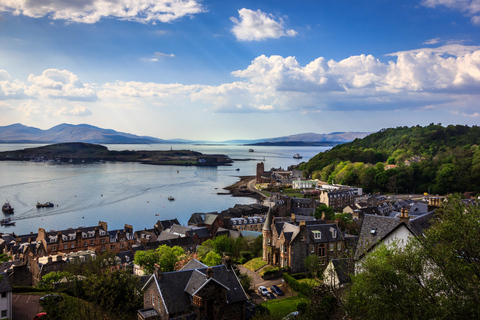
291 315
41 315
275 289
49 298
271 296
262 290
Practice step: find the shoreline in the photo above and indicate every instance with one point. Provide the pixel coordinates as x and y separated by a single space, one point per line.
242 188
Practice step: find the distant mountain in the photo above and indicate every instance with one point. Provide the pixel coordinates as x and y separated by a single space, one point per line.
18 133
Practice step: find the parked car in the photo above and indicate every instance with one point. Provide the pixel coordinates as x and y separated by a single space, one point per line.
271 296
41 315
49 298
291 315
262 290
275 289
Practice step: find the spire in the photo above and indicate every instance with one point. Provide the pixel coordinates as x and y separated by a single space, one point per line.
268 221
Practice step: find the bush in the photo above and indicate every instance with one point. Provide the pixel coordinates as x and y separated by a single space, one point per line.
297 286
298 276
21 289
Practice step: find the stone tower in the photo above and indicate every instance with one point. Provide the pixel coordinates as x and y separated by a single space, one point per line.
260 171
267 236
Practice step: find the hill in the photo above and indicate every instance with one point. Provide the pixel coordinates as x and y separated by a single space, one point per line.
18 133
421 159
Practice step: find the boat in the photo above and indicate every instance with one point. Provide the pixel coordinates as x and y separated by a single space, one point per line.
238 169
171 198
250 150
5 220
297 156
45 205
7 208
9 223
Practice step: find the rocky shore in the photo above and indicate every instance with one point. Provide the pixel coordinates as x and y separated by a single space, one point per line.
244 188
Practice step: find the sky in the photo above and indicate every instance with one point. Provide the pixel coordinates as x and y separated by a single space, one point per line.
220 70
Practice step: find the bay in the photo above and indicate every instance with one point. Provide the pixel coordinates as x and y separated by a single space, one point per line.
129 193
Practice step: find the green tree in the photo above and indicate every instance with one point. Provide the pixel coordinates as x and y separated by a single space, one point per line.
323 208
212 259
433 277
164 256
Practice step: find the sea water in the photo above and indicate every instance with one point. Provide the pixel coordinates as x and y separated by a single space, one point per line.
129 193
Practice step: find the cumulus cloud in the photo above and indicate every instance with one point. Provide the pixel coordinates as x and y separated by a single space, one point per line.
91 11
470 8
60 84
76 111
257 25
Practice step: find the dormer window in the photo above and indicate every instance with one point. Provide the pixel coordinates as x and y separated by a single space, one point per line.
317 234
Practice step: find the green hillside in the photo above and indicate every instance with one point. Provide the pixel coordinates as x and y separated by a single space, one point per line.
432 158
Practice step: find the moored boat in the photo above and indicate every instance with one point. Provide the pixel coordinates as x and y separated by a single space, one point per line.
45 205
297 156
7 208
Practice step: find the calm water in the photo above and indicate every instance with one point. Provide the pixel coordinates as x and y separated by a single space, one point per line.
128 193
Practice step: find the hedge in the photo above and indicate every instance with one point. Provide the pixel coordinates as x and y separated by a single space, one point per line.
297 286
21 289
298 276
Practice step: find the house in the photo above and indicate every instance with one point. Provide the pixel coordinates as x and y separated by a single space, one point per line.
41 266
210 220
336 274
380 229
288 243
5 297
194 292
338 199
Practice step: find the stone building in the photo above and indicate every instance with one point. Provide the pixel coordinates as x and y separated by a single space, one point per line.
194 292
337 199
287 244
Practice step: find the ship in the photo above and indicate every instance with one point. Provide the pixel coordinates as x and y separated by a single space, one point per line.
45 205
7 208
250 150
297 156
171 198
7 222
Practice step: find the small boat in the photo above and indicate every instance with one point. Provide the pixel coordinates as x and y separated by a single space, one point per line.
7 208
171 198
297 156
5 220
250 150
45 205
10 223
238 169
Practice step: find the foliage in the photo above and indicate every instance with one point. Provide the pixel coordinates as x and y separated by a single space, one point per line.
5 257
164 256
323 208
297 286
55 276
183 260
205 248
436 277
245 281
212 259
442 153
312 264
255 264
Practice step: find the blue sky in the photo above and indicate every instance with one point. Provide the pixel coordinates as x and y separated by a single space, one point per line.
219 70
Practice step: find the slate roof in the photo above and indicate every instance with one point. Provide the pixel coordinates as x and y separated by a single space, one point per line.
303 211
341 269
181 230
123 256
165 235
165 224
177 287
418 208
231 233
376 228
200 232
193 264
184 242
326 233
5 284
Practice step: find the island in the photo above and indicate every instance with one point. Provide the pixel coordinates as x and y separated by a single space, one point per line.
79 152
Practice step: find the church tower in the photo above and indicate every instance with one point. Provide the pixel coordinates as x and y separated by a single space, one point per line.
267 236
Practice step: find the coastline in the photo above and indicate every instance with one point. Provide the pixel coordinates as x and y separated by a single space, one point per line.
243 188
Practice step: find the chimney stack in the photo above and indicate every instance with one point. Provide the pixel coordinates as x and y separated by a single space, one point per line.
209 272
227 262
158 271
404 217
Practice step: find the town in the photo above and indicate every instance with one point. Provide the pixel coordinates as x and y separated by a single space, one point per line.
324 233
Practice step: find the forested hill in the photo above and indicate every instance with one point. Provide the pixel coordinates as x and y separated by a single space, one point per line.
432 158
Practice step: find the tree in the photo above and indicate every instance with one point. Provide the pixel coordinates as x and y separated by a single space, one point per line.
164 256
434 277
312 264
212 259
323 208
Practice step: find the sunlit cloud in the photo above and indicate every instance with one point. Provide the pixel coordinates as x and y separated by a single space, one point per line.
257 25
92 11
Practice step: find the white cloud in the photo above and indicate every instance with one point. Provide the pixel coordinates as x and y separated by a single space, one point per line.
60 84
91 11
76 111
164 55
470 8
432 41
257 25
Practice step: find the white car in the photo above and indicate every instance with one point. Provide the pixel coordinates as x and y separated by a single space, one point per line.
262 290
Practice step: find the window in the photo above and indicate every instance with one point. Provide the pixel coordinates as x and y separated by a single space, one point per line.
103 248
268 241
121 245
54 248
339 246
91 242
112 247
321 252
4 313
312 248
103 241
85 243
72 246
4 294
331 246
317 234
65 246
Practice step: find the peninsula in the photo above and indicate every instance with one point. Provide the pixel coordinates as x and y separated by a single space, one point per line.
79 152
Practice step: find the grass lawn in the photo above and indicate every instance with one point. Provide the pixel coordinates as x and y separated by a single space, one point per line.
255 264
282 307
266 269
311 282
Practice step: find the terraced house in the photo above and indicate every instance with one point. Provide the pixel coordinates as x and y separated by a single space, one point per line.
289 243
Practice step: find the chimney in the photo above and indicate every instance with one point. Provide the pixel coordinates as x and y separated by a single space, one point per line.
209 272
293 218
158 271
404 215
227 262
50 259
